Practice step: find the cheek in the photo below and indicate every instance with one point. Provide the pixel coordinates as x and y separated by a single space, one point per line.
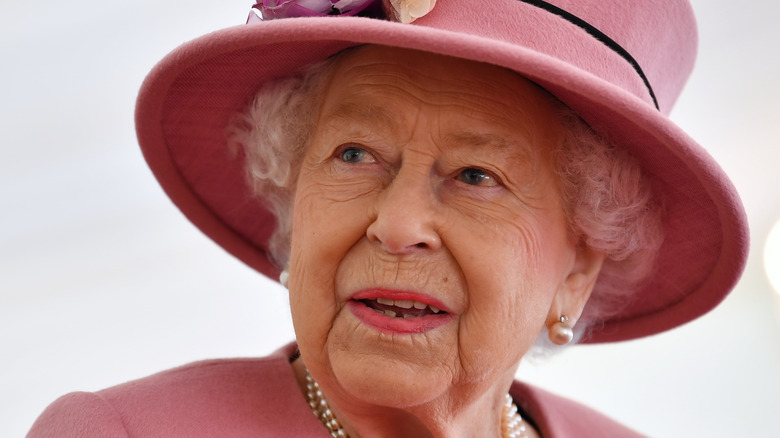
323 231
512 269
327 220
507 282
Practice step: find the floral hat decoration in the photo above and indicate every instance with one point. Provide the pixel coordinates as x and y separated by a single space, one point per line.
619 65
404 11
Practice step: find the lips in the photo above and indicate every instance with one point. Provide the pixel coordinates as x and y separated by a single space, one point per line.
392 311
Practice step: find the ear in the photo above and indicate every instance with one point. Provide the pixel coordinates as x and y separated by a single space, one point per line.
576 286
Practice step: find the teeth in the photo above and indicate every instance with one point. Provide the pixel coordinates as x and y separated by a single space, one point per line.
404 304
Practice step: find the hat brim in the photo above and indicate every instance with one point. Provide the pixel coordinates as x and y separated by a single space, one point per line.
187 100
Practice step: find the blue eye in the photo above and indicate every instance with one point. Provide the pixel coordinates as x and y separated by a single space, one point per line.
353 155
476 177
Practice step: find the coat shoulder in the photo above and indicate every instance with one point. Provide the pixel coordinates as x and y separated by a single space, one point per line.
558 416
227 398
79 414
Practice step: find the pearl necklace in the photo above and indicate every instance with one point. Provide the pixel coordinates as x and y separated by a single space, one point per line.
512 425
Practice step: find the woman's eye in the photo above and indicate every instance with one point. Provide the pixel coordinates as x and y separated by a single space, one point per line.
353 154
476 177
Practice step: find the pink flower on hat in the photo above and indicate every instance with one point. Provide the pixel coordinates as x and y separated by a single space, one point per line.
407 11
272 9
404 11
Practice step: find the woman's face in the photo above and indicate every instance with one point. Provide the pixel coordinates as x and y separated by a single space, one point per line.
429 245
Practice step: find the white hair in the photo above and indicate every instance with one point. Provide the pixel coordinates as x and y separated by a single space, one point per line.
273 132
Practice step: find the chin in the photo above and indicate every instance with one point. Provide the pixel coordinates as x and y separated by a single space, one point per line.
392 383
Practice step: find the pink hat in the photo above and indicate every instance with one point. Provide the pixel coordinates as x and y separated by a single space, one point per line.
620 65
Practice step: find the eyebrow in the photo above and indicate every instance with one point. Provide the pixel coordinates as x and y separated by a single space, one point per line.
514 149
371 114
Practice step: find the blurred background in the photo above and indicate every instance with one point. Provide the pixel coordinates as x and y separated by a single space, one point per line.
102 280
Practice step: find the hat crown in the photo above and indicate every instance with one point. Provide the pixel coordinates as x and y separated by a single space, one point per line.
658 38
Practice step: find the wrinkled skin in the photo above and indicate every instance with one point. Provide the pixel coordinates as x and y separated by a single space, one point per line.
432 175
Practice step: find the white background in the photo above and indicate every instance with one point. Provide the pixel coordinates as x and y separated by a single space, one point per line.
102 280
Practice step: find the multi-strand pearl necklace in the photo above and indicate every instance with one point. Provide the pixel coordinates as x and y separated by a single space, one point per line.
512 425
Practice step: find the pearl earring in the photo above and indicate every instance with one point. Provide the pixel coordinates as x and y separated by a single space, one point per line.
560 332
284 276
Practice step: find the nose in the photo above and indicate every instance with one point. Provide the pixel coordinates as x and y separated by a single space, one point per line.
405 215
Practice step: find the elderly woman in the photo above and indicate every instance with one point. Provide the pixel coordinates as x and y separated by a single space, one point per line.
440 187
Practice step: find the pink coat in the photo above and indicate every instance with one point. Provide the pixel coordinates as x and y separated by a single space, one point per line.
254 398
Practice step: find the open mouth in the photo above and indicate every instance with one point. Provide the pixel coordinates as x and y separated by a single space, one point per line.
401 308
392 311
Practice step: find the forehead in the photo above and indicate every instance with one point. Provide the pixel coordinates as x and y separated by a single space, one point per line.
390 86
416 65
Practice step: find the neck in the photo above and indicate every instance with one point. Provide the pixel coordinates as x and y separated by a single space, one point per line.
454 414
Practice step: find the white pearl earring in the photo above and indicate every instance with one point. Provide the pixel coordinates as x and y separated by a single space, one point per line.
284 276
560 332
